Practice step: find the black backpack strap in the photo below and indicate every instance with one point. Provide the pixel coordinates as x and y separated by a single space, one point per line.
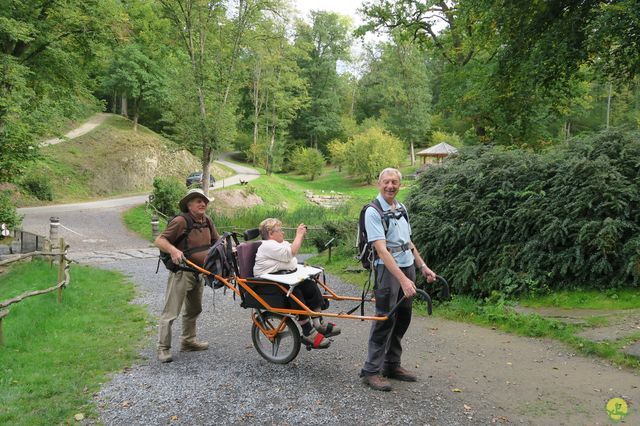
403 211
378 207
186 232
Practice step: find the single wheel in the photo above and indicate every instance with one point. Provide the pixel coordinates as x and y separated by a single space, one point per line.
275 337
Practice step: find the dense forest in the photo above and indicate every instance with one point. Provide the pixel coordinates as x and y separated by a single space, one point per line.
542 97
250 75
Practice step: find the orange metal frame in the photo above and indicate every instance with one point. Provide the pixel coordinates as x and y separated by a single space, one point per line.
304 309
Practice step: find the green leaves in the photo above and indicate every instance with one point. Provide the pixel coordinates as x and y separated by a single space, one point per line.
371 151
308 161
514 221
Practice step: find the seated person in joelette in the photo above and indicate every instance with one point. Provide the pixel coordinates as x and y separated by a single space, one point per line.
274 255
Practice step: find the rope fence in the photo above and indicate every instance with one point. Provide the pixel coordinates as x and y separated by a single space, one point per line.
62 281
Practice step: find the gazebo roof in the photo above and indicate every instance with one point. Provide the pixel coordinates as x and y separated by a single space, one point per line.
441 150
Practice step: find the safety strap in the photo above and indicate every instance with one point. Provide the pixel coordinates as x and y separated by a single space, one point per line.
399 249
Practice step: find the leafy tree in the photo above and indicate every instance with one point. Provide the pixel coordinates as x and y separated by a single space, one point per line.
136 76
338 152
326 42
277 90
308 161
371 151
205 94
399 84
8 213
47 55
516 65
450 138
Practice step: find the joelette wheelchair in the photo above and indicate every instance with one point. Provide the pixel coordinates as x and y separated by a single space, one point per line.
275 333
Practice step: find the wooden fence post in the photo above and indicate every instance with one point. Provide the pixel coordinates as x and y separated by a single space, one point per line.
60 269
3 313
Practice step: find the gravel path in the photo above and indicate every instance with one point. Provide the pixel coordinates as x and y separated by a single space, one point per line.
231 384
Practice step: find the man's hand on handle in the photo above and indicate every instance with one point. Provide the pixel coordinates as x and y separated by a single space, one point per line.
177 256
428 274
408 287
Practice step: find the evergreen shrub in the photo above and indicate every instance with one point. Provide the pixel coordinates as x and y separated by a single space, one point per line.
514 222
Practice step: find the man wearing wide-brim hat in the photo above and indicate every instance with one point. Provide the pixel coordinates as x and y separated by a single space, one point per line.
188 235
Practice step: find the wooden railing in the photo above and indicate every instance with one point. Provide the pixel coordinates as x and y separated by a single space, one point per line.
63 279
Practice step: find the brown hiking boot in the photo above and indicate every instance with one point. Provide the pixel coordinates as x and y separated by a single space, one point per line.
164 355
377 382
401 374
194 345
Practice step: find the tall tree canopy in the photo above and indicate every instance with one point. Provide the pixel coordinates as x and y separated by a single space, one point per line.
517 61
47 57
327 41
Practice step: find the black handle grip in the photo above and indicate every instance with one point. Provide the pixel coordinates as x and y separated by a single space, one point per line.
425 296
422 294
446 291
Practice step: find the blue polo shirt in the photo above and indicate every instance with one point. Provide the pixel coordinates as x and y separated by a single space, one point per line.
399 233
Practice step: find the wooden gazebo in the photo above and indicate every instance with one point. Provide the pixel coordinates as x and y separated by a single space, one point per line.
438 151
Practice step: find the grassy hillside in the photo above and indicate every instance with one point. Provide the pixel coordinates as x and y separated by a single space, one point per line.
111 160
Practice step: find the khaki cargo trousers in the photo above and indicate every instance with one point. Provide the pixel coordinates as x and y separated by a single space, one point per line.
182 287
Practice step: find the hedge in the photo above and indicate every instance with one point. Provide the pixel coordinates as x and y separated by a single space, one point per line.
514 222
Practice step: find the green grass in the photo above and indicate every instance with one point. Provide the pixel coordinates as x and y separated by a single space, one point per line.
138 219
56 355
588 299
109 161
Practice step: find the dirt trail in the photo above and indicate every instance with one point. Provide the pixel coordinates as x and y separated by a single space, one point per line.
85 128
521 380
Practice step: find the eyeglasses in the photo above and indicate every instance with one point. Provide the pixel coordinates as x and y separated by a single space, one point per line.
277 230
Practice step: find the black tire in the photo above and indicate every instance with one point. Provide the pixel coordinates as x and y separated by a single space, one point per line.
284 347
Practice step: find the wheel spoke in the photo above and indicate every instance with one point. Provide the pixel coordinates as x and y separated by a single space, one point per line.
275 346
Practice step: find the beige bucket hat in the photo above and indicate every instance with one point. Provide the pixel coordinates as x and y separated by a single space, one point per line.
191 194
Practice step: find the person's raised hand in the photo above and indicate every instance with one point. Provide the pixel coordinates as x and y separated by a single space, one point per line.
301 229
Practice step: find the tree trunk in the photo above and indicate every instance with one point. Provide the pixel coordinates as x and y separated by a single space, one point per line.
207 156
272 143
567 130
413 155
123 106
608 105
114 103
256 112
136 112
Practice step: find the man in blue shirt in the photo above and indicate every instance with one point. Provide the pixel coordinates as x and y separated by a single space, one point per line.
395 273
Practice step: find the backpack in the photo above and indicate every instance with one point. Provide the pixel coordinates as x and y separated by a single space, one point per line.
221 259
366 253
165 258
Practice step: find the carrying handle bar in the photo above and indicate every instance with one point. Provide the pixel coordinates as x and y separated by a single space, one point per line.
446 292
422 294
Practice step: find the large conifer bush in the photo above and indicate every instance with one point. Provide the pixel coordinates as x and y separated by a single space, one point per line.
516 222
